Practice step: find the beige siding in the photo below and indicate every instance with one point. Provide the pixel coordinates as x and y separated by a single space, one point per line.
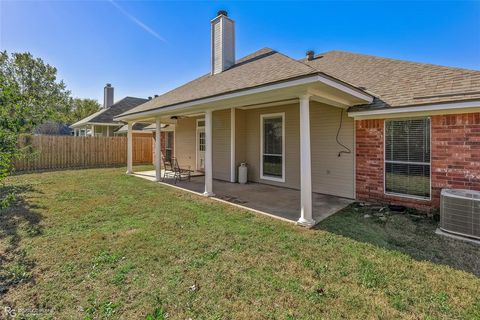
292 146
240 152
331 174
221 144
185 142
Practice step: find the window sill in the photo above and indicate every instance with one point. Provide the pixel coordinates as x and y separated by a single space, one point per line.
406 196
272 178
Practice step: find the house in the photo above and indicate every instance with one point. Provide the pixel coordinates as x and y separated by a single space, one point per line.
337 123
102 122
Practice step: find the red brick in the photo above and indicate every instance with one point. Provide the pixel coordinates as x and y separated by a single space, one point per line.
455 153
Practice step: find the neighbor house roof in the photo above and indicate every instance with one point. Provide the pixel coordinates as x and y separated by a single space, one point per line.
398 83
106 115
393 83
138 126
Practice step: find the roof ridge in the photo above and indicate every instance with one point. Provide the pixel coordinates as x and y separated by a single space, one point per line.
397 60
299 61
237 61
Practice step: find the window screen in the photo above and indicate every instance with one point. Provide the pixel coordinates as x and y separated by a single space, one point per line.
407 157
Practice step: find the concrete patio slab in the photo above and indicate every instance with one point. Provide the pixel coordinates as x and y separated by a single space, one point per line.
274 201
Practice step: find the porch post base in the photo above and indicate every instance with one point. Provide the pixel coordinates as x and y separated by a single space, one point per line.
208 194
308 223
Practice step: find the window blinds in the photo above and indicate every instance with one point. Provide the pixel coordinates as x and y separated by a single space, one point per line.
407 157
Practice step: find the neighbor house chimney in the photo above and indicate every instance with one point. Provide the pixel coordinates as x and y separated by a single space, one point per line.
223 42
107 95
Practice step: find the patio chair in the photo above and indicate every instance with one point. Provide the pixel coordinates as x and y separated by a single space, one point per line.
168 171
180 174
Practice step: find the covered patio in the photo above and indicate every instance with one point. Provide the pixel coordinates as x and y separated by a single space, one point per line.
278 202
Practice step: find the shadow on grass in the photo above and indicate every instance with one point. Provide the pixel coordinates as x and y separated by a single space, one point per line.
411 233
20 219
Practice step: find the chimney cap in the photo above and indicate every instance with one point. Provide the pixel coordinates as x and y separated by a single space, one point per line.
310 55
222 13
108 85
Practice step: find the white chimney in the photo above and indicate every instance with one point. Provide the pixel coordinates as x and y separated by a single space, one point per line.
223 42
107 96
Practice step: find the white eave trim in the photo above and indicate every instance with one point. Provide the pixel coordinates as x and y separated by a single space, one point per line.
281 85
422 108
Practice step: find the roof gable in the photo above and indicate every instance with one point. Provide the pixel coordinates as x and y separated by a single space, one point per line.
261 67
106 115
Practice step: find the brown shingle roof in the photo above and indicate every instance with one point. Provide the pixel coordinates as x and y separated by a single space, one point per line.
400 83
394 83
261 67
107 115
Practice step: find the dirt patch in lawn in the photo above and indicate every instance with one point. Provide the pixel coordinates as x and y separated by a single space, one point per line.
410 232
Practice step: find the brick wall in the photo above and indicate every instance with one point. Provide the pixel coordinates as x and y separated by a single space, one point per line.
455 153
455 149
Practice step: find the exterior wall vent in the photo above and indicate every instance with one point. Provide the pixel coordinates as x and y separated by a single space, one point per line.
460 212
223 42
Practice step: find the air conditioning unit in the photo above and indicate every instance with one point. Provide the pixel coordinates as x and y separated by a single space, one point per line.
460 212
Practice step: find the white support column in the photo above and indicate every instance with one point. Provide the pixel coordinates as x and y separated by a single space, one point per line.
93 130
158 152
305 164
129 148
208 155
232 146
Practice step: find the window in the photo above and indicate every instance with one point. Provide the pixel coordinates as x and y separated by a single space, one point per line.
407 157
272 147
169 146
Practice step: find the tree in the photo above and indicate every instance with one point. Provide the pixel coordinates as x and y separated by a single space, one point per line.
34 94
30 94
81 108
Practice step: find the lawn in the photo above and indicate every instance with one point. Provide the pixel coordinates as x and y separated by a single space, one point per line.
99 244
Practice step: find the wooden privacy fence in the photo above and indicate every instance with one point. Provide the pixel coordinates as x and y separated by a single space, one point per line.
59 152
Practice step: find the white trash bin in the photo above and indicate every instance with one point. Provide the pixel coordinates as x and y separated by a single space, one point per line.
242 173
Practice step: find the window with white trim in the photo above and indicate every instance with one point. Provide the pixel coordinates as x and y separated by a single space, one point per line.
272 147
407 157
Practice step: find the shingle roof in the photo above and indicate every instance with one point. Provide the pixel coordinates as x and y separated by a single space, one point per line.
106 115
394 83
261 67
399 83
136 127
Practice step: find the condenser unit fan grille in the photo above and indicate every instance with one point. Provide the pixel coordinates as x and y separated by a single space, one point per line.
460 212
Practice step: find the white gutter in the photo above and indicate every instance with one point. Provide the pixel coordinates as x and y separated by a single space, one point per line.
420 108
282 85
96 124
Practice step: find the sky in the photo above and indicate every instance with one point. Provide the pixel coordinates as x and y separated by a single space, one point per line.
145 48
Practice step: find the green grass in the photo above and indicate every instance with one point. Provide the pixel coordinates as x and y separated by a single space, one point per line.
97 244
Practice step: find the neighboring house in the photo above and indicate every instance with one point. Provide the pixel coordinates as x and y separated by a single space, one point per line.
102 122
336 123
